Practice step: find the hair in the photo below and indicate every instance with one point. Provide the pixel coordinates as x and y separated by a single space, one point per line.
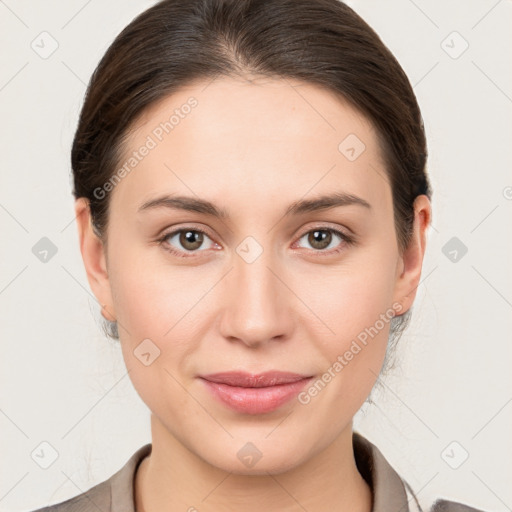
321 42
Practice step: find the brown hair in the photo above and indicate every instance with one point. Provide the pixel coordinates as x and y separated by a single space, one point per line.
176 42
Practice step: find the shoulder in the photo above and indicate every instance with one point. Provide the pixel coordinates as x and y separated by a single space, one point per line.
452 506
114 494
96 498
391 491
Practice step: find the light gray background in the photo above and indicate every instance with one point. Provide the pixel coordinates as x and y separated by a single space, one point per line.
64 383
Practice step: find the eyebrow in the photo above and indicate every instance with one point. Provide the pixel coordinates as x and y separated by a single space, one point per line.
302 206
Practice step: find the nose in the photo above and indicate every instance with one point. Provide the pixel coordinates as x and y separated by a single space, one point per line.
258 305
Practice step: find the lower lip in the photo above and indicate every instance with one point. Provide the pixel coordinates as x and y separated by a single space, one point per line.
255 400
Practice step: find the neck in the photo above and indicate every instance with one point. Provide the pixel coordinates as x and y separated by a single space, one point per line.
174 478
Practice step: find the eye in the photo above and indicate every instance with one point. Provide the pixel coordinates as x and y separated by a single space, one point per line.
184 240
322 239
189 240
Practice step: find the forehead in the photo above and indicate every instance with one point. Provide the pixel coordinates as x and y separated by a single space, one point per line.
265 137
266 108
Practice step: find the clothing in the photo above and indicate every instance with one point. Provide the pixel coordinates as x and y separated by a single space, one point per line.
389 492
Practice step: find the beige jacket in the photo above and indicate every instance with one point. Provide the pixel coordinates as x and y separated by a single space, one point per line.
390 493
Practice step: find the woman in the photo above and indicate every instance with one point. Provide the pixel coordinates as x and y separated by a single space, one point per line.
252 207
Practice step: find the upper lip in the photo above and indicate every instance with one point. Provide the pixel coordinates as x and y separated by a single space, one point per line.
250 380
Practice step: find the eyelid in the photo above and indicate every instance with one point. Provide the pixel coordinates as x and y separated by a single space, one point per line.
188 227
347 237
326 226
162 240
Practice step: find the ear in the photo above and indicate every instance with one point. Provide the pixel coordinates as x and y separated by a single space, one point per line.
411 261
93 255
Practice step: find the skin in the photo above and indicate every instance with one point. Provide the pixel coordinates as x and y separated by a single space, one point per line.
252 147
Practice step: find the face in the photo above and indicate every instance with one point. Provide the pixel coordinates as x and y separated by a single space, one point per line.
281 281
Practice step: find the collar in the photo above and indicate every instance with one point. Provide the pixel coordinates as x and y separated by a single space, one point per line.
388 489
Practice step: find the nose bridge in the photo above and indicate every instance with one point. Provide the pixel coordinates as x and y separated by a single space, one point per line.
256 281
256 310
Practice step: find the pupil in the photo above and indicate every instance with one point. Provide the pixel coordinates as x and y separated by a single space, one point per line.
319 238
191 239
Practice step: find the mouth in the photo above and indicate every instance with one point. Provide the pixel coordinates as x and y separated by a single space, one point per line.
255 394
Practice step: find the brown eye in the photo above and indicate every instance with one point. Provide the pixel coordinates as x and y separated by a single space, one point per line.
320 238
183 241
324 239
191 240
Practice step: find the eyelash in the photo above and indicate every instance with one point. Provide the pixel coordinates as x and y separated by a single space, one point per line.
346 238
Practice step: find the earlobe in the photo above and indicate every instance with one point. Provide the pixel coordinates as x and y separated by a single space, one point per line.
106 314
93 256
411 261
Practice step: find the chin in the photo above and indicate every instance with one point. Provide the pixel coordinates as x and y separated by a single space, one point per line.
252 458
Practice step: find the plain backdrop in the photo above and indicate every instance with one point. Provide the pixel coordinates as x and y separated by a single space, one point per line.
443 417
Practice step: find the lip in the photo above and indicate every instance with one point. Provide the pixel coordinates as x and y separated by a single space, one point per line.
255 393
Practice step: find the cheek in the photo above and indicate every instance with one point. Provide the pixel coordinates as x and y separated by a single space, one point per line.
359 313
155 308
352 295
164 304
151 295
355 302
